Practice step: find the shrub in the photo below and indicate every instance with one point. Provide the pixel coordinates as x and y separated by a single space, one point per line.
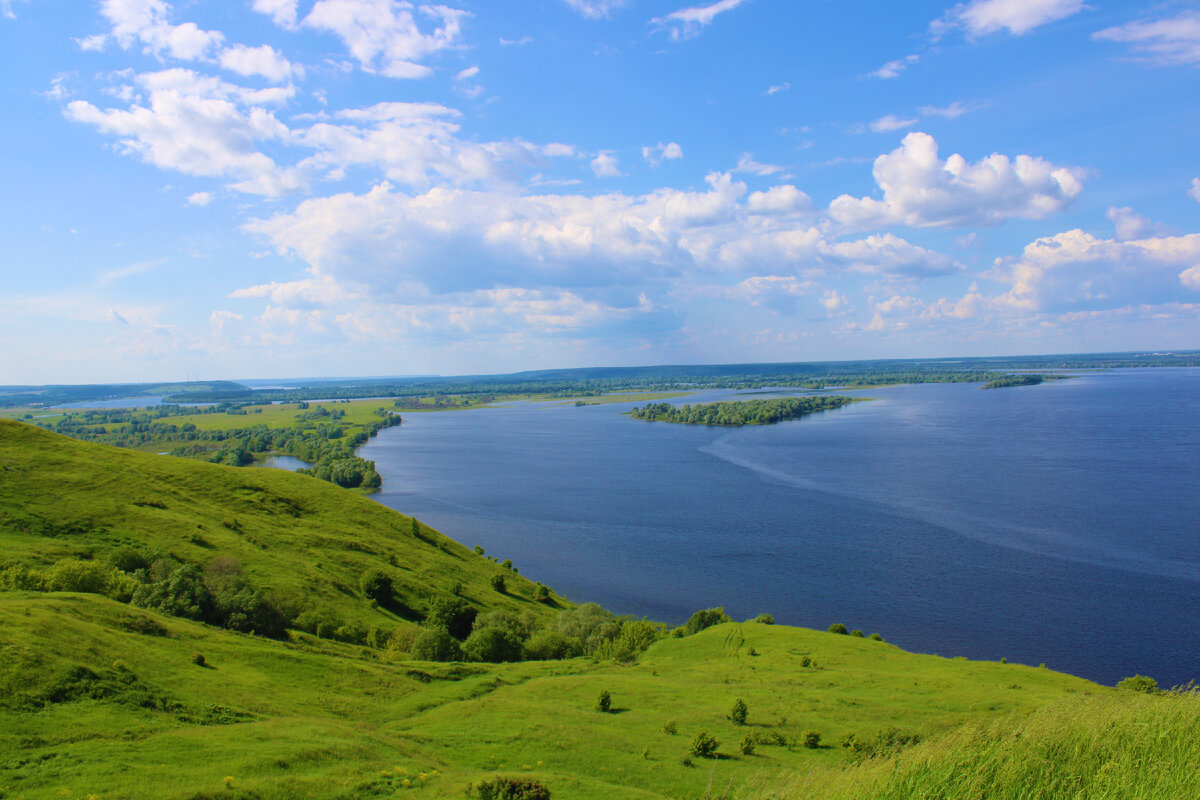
670 729
378 587
551 646
1139 683
747 746
451 613
78 576
633 638
493 645
839 628
520 626
512 789
590 624
604 702
435 644
805 661
498 583
764 619
541 594
810 739
182 594
128 559
857 633
704 746
875 637
738 713
705 618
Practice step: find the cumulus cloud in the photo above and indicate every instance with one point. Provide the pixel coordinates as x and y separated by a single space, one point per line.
283 12
892 69
199 126
982 17
782 87
1128 224
147 22
1173 41
596 9
383 35
605 165
1078 271
921 190
263 60
199 199
661 152
688 22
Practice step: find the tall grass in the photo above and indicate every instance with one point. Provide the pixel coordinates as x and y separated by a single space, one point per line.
1112 746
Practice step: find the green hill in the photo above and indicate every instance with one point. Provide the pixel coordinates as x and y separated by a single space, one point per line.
105 698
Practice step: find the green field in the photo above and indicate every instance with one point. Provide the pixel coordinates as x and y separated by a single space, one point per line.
106 698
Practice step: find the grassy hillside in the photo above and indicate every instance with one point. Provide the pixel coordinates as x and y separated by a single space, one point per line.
308 542
101 698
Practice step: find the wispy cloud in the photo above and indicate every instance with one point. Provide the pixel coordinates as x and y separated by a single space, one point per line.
1166 42
783 87
892 69
596 9
747 164
983 17
891 122
952 111
120 273
688 22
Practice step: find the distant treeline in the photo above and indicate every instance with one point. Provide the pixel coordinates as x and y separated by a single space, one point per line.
736 413
1015 380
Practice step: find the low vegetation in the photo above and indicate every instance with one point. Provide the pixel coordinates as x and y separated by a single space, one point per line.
735 413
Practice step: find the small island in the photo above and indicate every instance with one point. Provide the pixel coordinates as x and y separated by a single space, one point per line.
736 413
1005 381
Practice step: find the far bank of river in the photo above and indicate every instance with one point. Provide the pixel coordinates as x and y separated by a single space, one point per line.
1052 523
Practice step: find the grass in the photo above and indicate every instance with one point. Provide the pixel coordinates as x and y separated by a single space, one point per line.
100 698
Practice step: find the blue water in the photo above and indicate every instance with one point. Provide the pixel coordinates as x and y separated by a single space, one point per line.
1055 523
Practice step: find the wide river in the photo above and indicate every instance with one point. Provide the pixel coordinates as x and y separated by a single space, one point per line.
1055 524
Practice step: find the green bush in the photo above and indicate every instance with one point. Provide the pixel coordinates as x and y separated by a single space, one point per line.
875 637
632 639
551 646
492 645
590 624
810 739
128 559
737 714
1139 683
747 746
604 702
512 789
541 594
378 587
436 644
704 746
498 583
78 576
857 633
705 618
451 613
764 619
839 628
181 594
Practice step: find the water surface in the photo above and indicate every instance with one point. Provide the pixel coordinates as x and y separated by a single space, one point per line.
1054 523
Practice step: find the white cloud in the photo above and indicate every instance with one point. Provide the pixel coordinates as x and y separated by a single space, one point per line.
785 199
596 9
662 152
747 164
783 87
282 11
1194 192
6 8
199 199
120 273
465 83
919 189
1128 224
982 17
58 89
263 60
890 256
835 302
952 111
558 150
891 123
516 42
146 22
196 125
1165 42
383 35
688 22
1190 277
1077 271
605 165
892 69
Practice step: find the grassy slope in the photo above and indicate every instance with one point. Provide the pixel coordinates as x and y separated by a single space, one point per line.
313 718
306 539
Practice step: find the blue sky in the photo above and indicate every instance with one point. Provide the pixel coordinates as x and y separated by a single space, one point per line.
263 188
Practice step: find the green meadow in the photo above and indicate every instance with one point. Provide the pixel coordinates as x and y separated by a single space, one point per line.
109 691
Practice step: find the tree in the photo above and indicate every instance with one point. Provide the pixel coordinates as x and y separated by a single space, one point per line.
493 645
839 628
738 713
552 645
378 587
498 583
450 613
704 746
1139 683
435 644
705 618
604 702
